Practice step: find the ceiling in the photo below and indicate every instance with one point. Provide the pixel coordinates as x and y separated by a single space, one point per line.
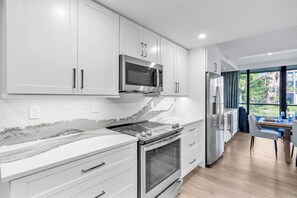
275 48
221 20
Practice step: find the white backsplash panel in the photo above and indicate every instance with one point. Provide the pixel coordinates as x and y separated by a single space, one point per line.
74 118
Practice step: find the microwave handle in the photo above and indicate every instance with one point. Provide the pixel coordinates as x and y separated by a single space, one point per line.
158 78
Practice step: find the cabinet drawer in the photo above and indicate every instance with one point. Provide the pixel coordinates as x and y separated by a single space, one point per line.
191 160
118 182
189 141
193 128
64 176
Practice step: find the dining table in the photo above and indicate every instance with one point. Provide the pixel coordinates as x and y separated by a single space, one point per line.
280 124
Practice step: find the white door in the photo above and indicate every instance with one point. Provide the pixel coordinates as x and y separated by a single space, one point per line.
98 49
168 60
182 70
152 46
40 56
131 39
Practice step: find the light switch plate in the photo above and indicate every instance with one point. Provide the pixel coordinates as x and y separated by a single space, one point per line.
152 105
34 112
95 108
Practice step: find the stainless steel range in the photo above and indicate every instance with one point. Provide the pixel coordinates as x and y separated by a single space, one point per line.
158 157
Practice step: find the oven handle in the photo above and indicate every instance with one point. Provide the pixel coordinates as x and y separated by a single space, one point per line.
161 142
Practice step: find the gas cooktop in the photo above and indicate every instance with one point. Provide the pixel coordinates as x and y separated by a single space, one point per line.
147 131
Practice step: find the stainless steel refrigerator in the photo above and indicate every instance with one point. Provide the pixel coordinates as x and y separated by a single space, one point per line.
214 117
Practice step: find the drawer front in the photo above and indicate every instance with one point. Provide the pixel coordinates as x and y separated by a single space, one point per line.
119 182
193 128
191 160
189 141
65 175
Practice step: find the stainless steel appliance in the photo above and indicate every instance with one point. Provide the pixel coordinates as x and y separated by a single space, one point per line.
138 75
158 158
214 117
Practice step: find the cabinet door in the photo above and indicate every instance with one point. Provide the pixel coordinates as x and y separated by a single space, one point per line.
168 60
152 46
213 59
40 53
131 39
98 49
182 70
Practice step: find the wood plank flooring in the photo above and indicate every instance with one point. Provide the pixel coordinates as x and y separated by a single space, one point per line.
241 174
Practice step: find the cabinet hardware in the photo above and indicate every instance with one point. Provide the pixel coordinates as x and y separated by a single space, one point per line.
216 67
74 78
145 50
101 194
141 48
193 161
193 129
175 87
92 168
192 143
178 87
82 78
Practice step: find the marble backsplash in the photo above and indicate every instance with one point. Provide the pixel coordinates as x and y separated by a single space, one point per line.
44 130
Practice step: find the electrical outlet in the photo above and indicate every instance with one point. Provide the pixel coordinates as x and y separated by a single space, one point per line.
152 105
34 112
95 108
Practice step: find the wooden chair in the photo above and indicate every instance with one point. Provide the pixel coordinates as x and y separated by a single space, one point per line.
294 138
257 131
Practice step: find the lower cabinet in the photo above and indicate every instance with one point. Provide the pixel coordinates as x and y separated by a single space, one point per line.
109 174
191 147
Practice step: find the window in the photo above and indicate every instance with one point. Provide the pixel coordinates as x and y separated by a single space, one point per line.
291 95
264 93
243 90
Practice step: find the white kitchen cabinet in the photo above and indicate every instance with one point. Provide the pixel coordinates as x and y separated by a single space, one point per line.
139 42
191 147
112 173
213 59
40 55
61 47
230 123
175 68
98 49
182 71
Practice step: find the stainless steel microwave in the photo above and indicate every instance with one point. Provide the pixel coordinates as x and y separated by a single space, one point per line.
138 75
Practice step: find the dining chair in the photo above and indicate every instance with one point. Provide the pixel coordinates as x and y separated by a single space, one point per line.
294 138
257 131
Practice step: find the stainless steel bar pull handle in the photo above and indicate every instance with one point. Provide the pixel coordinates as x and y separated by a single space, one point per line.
193 129
145 50
92 168
74 78
192 143
175 87
178 87
101 194
216 67
141 48
193 161
82 78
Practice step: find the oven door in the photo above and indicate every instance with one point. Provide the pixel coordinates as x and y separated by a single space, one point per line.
160 165
140 75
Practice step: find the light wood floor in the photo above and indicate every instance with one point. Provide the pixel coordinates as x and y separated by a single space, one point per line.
241 174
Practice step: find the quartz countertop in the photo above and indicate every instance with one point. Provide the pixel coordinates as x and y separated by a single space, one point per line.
60 155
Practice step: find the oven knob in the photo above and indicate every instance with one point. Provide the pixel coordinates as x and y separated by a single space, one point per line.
149 132
143 134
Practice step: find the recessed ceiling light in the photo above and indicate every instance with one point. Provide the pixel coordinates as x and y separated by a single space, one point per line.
224 68
269 54
201 36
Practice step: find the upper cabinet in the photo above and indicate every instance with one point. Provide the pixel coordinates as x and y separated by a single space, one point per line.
98 49
175 69
61 47
139 42
213 59
40 56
